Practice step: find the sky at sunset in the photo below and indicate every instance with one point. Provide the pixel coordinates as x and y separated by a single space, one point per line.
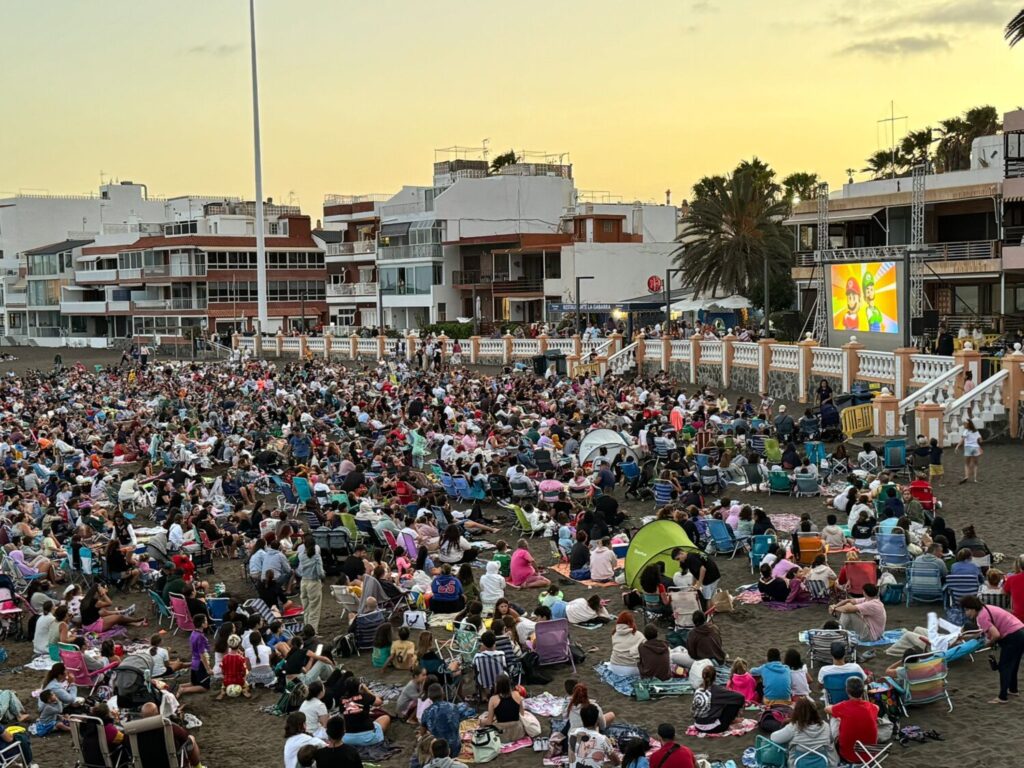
355 96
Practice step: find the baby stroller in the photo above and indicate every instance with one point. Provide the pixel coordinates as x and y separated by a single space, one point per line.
831 429
131 683
10 613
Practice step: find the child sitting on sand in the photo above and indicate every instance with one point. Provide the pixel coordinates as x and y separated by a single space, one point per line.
741 681
504 558
381 646
234 667
403 651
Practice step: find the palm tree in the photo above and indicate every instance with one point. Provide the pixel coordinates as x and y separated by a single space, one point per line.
732 233
1015 29
762 175
705 186
880 165
982 121
915 147
953 149
800 185
500 161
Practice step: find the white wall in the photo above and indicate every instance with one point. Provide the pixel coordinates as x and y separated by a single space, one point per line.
620 270
992 175
500 205
657 223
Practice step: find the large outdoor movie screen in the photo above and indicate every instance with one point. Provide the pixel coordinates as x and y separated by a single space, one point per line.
865 297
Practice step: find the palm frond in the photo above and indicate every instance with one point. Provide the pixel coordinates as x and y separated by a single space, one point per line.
1015 29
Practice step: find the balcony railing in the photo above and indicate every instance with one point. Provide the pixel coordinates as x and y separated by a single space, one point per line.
351 249
333 199
967 249
404 290
83 307
95 275
504 283
419 251
177 303
174 270
352 289
16 299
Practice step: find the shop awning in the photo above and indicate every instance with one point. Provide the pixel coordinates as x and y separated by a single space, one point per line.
850 214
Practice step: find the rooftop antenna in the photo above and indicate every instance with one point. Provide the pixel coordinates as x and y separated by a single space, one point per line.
892 127
485 142
102 177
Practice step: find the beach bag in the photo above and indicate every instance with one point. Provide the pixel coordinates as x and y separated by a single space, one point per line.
722 602
415 620
345 646
486 744
886 728
773 718
578 654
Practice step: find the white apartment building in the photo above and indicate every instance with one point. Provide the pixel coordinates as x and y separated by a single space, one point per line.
500 246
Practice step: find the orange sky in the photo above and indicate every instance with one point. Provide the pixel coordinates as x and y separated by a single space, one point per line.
355 97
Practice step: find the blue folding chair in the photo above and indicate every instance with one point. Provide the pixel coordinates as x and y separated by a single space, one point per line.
217 607
462 489
303 489
895 458
924 583
723 538
834 686
448 483
702 460
759 546
892 549
815 452
662 494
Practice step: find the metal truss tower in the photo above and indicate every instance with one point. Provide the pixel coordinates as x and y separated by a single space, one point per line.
821 302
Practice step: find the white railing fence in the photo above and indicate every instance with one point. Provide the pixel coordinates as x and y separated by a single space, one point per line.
876 365
982 405
711 351
623 361
925 369
785 357
827 360
744 353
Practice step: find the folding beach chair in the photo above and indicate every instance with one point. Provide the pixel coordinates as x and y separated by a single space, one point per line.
806 485
959 585
662 493
815 452
895 458
871 755
551 643
924 583
757 442
772 451
179 612
522 521
152 743
759 546
892 549
160 609
462 489
710 482
411 549
808 757
834 686
303 489
448 483
523 490
462 646
684 602
819 645
349 521
768 754
923 681
94 751
859 573
723 538
217 607
755 476
811 545
779 482
74 662
924 494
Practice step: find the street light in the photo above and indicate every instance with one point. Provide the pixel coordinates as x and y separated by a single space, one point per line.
579 328
668 296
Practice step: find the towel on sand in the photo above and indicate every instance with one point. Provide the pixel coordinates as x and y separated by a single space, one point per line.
738 728
562 569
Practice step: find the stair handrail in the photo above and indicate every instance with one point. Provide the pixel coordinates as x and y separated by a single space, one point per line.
619 362
927 392
955 408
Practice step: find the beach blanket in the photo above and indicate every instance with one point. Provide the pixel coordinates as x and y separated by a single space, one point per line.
625 685
591 625
562 569
738 728
786 606
546 705
787 523
890 637
385 691
376 753
40 664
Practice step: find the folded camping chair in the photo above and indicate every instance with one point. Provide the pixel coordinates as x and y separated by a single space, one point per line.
892 549
723 538
684 602
755 477
859 573
94 751
779 482
871 755
662 493
160 608
895 458
759 546
551 643
819 645
924 583
182 618
923 681
768 754
152 742
834 686
811 545
74 662
806 485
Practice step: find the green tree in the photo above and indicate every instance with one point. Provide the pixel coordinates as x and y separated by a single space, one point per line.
916 147
881 166
1015 29
761 174
981 121
735 232
499 162
800 185
705 186
952 152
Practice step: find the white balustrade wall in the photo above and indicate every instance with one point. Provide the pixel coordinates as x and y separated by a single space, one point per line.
785 357
878 366
926 368
711 351
827 360
745 353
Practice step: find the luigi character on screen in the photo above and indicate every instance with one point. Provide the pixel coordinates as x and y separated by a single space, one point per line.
851 321
873 313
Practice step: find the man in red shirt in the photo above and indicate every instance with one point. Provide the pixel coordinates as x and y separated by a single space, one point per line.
858 721
1013 585
671 755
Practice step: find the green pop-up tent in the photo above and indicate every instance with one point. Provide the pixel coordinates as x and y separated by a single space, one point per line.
653 544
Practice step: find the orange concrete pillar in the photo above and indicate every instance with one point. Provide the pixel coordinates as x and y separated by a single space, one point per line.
727 352
302 346
1014 386
543 340
804 366
508 348
382 348
928 420
279 340
886 408
234 340
328 345
851 362
904 370
353 347
641 350
257 345
474 349
666 353
764 361
694 356
970 359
